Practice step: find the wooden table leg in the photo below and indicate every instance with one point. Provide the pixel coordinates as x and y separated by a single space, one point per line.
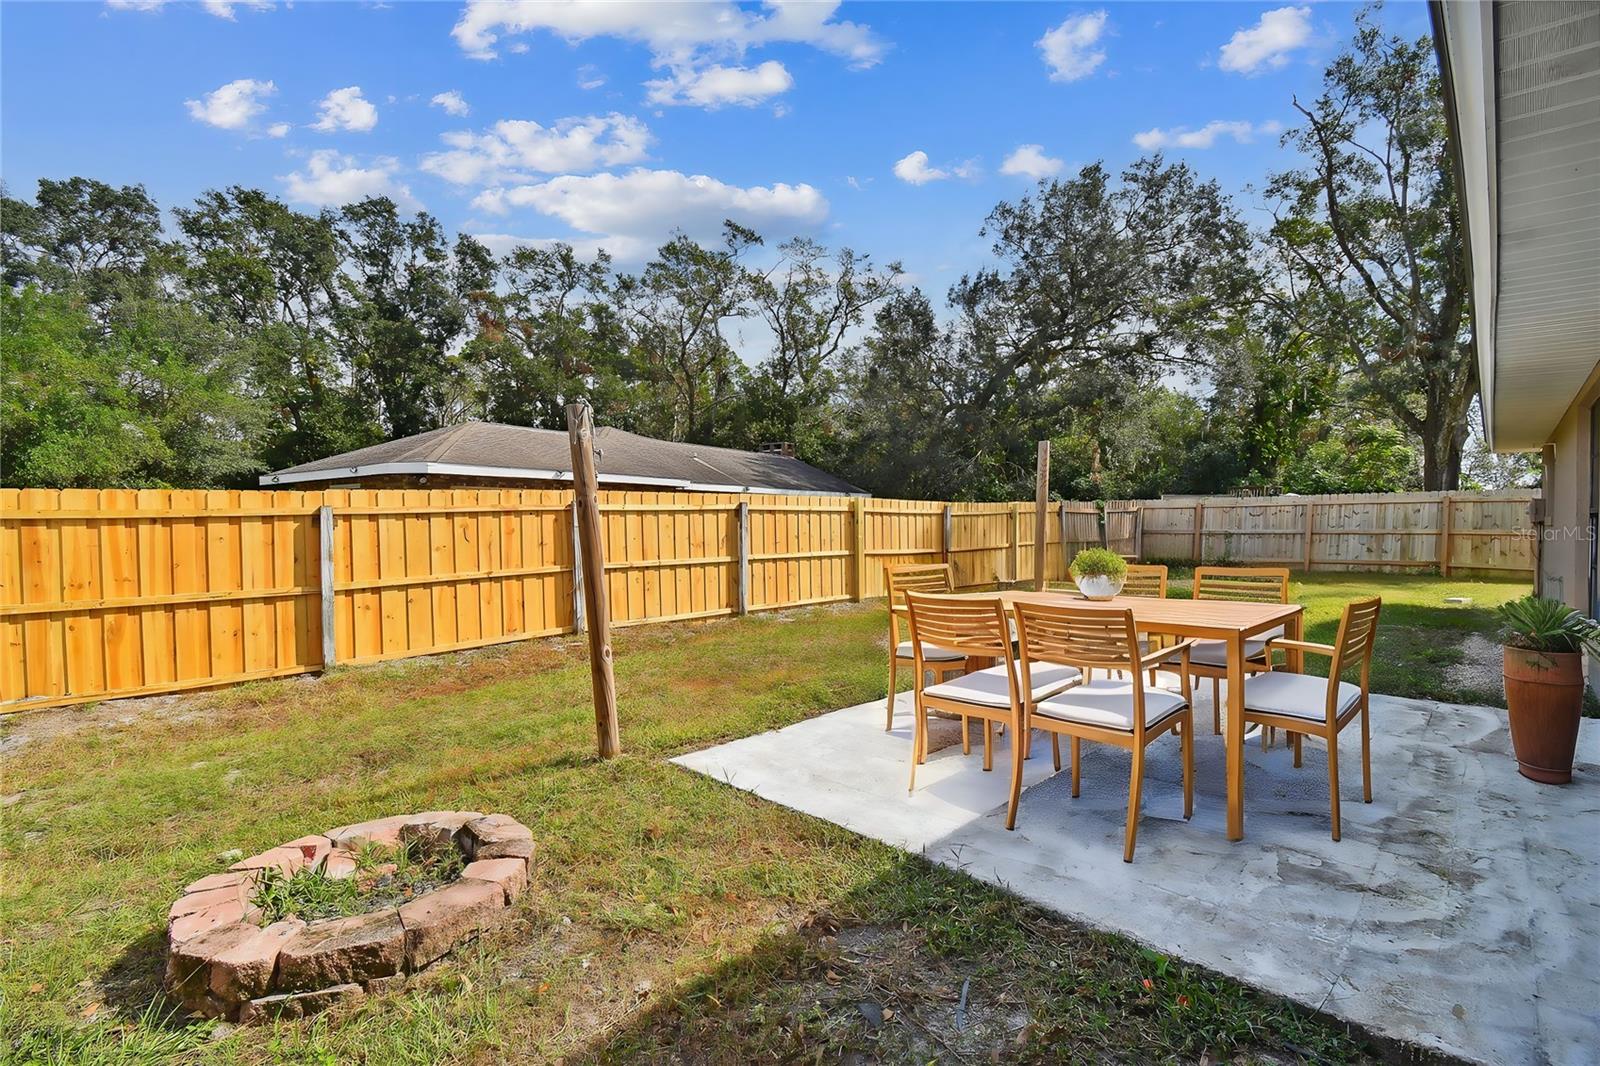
1294 629
1235 737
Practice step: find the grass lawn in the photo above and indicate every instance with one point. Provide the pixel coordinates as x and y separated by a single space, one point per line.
671 918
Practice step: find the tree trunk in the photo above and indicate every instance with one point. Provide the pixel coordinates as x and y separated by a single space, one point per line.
1442 448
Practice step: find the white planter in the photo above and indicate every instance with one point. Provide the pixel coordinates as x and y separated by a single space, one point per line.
1099 587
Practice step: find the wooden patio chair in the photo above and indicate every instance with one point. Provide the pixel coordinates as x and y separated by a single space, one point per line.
977 627
1307 705
1244 584
1124 713
944 662
1145 579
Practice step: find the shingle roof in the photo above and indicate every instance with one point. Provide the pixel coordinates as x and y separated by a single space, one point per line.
489 449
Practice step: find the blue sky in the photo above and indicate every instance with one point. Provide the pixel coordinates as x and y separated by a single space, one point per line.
609 124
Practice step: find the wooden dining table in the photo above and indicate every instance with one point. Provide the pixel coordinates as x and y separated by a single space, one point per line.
1229 621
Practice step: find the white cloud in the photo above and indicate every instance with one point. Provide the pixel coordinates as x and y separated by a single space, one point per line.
1029 161
714 86
673 32
222 9
332 179
345 109
915 170
587 248
589 77
1268 43
1069 49
631 213
452 102
512 149
279 129
1205 136
232 106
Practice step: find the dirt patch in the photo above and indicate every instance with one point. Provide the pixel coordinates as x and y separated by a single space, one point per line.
1480 665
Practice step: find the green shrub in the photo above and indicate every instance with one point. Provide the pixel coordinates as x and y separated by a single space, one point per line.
1546 625
1099 562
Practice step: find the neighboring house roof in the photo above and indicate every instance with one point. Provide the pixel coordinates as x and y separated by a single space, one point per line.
488 449
1522 88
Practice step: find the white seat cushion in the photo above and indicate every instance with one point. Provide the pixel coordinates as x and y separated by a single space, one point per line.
992 687
930 652
1109 704
1297 695
1215 652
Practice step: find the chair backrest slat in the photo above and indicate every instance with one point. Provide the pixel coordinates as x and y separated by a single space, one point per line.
1085 637
915 577
1242 584
1357 630
1145 579
973 625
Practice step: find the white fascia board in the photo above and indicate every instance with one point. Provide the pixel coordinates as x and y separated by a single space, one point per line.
1469 75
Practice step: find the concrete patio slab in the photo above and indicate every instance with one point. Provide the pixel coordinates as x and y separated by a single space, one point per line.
1460 912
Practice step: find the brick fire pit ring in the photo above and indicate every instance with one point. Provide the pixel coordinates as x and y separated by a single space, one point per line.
222 963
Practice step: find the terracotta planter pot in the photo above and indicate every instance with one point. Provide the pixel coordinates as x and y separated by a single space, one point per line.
1544 692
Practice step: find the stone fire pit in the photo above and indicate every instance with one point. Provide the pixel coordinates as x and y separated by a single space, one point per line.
225 961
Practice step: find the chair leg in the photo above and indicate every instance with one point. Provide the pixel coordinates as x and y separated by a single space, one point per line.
888 722
1016 785
966 735
1135 786
1188 764
916 742
1055 749
1366 753
988 745
1266 735
1295 740
1076 763
1216 706
1333 781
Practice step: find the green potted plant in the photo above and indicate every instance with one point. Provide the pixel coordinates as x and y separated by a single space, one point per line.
1544 645
1099 573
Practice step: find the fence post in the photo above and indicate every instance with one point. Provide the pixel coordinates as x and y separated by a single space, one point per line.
1138 533
949 533
1447 508
1104 514
858 523
1066 557
743 513
1199 537
1016 543
1311 528
325 532
579 610
1041 504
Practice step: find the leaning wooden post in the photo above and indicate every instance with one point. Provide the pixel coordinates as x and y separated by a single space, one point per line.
586 498
1138 533
330 647
1199 532
742 516
948 534
1041 522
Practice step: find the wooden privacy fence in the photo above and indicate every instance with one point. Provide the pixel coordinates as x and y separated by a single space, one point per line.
108 593
1454 533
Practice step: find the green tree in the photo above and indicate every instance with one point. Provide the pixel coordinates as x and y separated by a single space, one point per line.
673 313
270 276
811 302
556 336
402 316
85 236
1371 225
